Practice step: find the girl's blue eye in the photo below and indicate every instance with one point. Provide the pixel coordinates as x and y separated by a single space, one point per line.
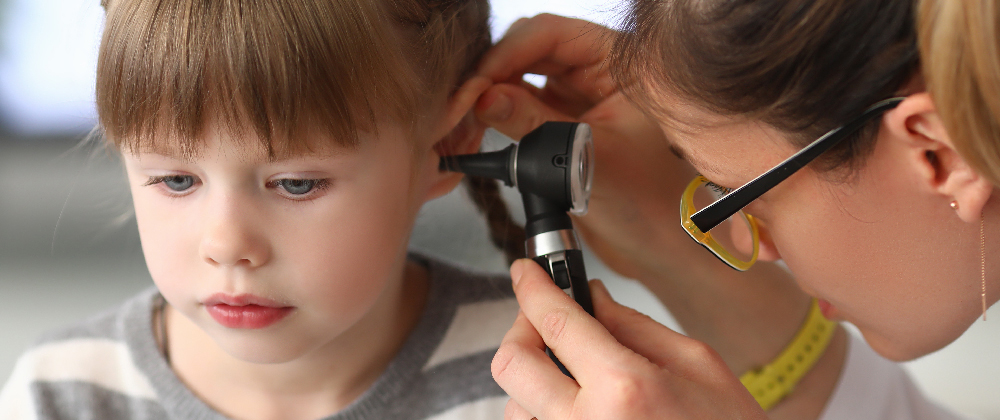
298 186
178 183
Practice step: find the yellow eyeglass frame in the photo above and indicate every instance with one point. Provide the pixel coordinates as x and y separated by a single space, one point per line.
705 238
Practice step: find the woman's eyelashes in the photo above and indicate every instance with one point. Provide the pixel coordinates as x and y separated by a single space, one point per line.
722 191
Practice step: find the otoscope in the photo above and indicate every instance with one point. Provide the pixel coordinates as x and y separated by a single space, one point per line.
552 167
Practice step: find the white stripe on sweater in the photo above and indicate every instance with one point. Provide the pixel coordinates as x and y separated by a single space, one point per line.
485 408
477 327
100 362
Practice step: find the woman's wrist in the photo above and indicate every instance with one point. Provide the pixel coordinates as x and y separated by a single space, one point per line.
748 318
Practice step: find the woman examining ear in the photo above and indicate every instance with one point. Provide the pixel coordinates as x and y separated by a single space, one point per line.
816 130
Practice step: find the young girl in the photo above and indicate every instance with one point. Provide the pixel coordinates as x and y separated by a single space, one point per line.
278 153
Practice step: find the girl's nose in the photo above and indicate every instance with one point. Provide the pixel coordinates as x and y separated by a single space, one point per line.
232 236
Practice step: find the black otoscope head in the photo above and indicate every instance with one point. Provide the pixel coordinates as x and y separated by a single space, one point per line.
552 167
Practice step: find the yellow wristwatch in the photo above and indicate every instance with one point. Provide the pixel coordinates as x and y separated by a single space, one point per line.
777 379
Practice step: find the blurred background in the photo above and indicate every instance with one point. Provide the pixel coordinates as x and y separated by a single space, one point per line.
69 247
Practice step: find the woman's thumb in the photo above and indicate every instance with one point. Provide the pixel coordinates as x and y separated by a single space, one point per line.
514 111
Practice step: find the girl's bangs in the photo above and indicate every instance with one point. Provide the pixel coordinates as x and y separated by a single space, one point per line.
266 72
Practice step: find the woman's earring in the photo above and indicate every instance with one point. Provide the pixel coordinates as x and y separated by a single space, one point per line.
982 262
954 205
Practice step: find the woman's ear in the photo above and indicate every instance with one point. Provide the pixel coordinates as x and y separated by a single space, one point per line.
930 151
459 132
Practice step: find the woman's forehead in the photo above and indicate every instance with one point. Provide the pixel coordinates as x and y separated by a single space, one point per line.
729 150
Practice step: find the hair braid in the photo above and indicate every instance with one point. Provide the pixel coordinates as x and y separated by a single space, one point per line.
504 233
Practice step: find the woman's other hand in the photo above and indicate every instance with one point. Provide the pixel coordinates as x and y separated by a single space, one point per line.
626 365
633 219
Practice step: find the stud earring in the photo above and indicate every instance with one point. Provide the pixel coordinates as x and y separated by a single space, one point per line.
954 205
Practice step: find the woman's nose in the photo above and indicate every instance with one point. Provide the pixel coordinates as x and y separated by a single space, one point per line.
232 236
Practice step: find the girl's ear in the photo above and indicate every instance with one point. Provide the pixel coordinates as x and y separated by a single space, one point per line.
458 133
459 107
931 152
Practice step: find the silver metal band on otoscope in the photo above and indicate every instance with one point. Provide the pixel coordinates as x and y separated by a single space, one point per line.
550 242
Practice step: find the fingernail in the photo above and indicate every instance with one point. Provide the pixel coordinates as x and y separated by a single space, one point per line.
516 270
499 109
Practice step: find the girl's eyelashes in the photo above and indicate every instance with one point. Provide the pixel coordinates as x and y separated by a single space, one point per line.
177 184
292 188
299 189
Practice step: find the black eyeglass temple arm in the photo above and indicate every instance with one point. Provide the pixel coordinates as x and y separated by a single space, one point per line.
717 212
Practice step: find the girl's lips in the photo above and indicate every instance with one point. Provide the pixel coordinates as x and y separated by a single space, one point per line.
829 311
245 311
248 316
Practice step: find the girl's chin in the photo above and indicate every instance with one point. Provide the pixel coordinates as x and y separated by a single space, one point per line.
263 353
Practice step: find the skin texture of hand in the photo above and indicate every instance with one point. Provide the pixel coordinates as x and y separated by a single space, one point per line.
633 222
626 366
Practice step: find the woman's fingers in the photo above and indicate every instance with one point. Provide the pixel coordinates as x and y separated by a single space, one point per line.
522 368
581 343
557 40
514 411
514 111
612 380
660 345
554 46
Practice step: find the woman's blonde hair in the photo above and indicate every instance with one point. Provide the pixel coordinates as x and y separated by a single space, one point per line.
960 47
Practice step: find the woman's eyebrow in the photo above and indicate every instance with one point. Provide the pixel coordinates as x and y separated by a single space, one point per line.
701 165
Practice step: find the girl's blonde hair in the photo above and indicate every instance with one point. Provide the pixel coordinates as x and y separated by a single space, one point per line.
270 70
960 46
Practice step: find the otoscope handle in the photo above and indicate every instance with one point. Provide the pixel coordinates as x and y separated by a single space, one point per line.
567 271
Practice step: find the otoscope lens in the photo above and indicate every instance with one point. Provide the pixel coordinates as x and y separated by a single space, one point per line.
581 169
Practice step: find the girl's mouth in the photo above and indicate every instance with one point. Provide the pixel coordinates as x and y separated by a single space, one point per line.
245 311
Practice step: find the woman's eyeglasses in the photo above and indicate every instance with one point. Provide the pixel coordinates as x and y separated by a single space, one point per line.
714 217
